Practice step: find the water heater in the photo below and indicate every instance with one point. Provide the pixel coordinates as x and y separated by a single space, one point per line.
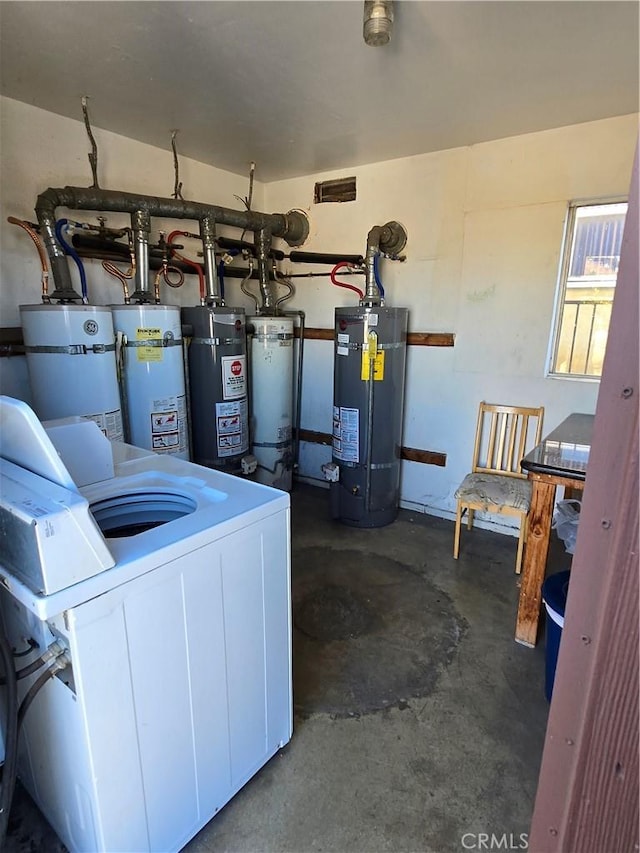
218 387
71 361
272 399
150 340
369 364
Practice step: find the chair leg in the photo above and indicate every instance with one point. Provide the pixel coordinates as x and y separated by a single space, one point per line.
470 514
521 540
456 536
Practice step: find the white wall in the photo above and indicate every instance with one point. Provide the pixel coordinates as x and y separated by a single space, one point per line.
485 228
40 149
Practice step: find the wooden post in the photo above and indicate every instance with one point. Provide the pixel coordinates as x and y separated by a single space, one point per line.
535 561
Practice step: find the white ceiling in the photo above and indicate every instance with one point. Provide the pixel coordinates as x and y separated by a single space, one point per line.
293 86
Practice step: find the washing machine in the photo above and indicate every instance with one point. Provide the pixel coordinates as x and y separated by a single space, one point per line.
168 586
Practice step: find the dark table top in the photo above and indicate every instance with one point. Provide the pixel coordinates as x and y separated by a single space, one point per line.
565 451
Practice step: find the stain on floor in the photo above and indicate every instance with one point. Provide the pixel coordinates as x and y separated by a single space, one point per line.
369 632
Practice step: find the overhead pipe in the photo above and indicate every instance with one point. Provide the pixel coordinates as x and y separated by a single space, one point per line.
293 226
244 245
295 257
323 258
111 250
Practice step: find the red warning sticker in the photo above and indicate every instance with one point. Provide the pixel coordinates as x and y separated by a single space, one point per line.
234 376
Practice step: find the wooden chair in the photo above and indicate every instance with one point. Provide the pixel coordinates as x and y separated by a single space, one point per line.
504 434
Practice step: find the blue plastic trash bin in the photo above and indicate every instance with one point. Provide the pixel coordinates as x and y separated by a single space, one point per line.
554 595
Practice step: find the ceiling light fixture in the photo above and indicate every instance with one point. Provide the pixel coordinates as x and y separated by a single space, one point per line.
378 22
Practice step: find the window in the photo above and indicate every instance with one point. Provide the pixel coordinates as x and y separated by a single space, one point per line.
587 281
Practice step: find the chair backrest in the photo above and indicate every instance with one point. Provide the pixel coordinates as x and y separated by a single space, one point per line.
504 435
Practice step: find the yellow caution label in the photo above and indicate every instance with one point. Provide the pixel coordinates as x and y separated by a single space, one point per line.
151 353
378 366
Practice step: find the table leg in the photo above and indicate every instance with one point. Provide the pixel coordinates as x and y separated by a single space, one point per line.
535 561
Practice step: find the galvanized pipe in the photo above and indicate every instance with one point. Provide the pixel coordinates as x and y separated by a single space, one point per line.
63 290
141 228
372 295
390 239
293 227
299 361
262 239
208 234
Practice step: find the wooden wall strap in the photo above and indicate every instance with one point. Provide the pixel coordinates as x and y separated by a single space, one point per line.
430 339
11 338
314 437
414 339
311 334
411 454
427 457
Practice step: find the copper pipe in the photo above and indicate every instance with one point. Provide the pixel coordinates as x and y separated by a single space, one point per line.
41 252
112 269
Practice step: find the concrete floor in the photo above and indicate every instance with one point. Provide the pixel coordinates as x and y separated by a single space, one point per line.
418 718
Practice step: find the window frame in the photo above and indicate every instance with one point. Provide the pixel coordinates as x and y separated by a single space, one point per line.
566 251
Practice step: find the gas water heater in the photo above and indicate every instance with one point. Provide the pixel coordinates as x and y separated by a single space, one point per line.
218 388
370 354
370 347
72 365
152 368
272 399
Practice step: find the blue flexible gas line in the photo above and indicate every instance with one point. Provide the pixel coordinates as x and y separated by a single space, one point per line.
69 250
377 276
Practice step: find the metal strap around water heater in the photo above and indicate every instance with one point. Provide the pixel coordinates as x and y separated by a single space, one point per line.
216 342
155 342
282 336
365 347
74 349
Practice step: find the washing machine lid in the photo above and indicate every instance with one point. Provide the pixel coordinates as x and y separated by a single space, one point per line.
24 441
48 536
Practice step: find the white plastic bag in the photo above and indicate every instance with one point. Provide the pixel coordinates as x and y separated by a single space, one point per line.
565 523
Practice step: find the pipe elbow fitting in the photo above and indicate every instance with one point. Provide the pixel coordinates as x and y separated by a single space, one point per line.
297 227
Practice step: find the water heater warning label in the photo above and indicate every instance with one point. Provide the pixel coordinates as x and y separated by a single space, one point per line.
168 425
231 428
234 376
110 423
346 434
150 353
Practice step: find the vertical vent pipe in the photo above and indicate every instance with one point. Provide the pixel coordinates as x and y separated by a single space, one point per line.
141 228
262 240
208 234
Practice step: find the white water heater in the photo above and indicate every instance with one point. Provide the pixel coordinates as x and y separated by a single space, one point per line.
272 399
71 361
152 371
